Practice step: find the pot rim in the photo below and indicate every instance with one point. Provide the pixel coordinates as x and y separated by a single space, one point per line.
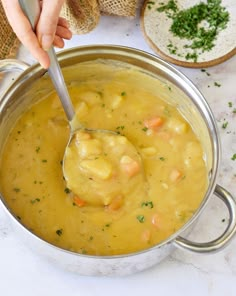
105 52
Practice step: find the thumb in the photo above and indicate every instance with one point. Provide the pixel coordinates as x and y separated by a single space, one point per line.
47 23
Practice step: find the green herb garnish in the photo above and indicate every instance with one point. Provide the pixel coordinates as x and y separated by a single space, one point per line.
234 157
121 127
67 190
205 71
59 232
33 201
140 218
37 149
16 189
170 6
189 24
148 204
217 84
225 124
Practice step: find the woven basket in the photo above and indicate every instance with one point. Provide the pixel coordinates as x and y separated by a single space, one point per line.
8 40
119 7
83 15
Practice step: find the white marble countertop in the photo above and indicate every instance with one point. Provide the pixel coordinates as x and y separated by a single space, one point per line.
22 272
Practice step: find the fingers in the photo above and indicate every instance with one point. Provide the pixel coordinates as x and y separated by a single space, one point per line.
63 22
58 42
47 24
63 32
24 32
51 29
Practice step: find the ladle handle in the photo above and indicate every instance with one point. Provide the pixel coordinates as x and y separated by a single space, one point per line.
57 78
31 9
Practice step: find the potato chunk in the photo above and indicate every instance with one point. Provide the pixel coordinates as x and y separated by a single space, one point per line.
116 101
193 154
91 97
89 148
178 126
100 168
130 166
149 151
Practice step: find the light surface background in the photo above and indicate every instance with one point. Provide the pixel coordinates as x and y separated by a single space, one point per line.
23 273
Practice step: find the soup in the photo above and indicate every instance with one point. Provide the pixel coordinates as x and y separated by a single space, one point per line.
134 105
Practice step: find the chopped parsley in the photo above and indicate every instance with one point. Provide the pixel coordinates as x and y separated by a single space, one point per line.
217 84
170 6
121 127
37 149
230 104
234 157
162 158
205 71
149 4
16 189
140 218
225 124
172 49
148 204
59 232
191 56
67 190
106 226
189 24
33 201
144 129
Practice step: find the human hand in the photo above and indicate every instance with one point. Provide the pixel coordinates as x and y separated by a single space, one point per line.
51 29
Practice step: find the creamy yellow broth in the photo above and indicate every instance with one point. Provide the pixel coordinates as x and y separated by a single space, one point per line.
32 182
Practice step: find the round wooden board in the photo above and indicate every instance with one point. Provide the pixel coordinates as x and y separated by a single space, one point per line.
175 61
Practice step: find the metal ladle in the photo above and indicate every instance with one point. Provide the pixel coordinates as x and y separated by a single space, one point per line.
90 193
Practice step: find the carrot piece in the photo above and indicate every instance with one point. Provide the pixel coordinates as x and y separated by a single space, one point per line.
153 123
115 204
146 235
175 175
78 201
130 166
164 135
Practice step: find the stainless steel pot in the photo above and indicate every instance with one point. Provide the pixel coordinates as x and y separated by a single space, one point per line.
33 83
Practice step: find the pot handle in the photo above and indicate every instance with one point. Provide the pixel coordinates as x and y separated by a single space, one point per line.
222 240
12 65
